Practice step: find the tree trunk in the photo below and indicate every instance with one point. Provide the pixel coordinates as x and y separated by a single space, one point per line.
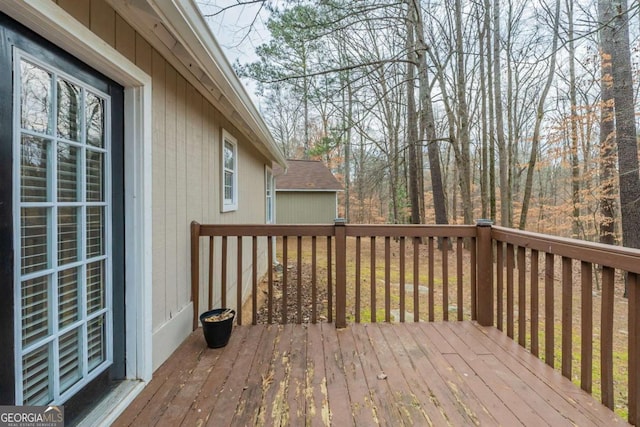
464 167
305 101
614 18
535 144
427 123
575 164
412 122
484 149
607 145
613 15
347 152
505 191
493 211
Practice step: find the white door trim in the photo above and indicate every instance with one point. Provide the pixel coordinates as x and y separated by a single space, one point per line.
54 24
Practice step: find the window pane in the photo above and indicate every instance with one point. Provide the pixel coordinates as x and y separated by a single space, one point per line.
33 169
228 155
96 342
95 286
36 381
94 176
67 173
95 231
35 108
95 120
33 228
68 297
69 101
70 367
68 231
228 186
35 310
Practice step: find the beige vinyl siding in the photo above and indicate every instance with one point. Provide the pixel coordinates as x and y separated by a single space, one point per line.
305 207
186 160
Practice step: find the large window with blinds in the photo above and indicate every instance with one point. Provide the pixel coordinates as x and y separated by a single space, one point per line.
62 283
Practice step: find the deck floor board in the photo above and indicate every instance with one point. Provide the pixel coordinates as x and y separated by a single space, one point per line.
457 373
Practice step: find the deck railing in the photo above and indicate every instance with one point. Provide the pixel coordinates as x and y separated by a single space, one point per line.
585 314
500 277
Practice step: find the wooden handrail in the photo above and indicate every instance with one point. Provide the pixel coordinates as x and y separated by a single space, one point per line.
617 257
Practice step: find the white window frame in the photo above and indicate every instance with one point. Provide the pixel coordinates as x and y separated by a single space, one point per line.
228 205
270 196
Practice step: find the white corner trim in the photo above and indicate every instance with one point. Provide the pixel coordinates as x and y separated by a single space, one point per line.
138 232
54 24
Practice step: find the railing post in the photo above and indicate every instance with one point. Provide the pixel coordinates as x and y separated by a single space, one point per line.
195 271
341 272
484 256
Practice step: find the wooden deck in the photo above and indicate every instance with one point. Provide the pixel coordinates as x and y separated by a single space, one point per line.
414 374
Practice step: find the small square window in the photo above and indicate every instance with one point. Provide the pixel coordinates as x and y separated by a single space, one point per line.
229 168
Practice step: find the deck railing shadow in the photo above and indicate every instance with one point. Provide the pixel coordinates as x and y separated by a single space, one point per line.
538 289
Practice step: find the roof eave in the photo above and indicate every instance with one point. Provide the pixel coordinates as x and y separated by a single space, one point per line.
177 29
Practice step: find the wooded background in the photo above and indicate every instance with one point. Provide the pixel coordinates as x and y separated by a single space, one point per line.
521 111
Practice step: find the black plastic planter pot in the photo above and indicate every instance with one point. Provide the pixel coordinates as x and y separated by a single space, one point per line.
217 332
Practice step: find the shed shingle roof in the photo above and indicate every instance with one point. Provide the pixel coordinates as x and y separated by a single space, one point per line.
310 175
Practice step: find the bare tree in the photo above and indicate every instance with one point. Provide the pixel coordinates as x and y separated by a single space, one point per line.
503 154
615 44
427 121
535 144
412 120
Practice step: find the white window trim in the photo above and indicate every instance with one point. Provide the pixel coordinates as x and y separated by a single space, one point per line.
228 205
60 28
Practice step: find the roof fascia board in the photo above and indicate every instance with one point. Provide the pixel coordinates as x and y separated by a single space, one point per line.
178 31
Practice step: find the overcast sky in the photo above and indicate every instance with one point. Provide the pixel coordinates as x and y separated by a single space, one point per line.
238 29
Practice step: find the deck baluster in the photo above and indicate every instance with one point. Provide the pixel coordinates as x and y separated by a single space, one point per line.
239 282
549 320
634 348
606 336
341 273
586 341
460 276
535 285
